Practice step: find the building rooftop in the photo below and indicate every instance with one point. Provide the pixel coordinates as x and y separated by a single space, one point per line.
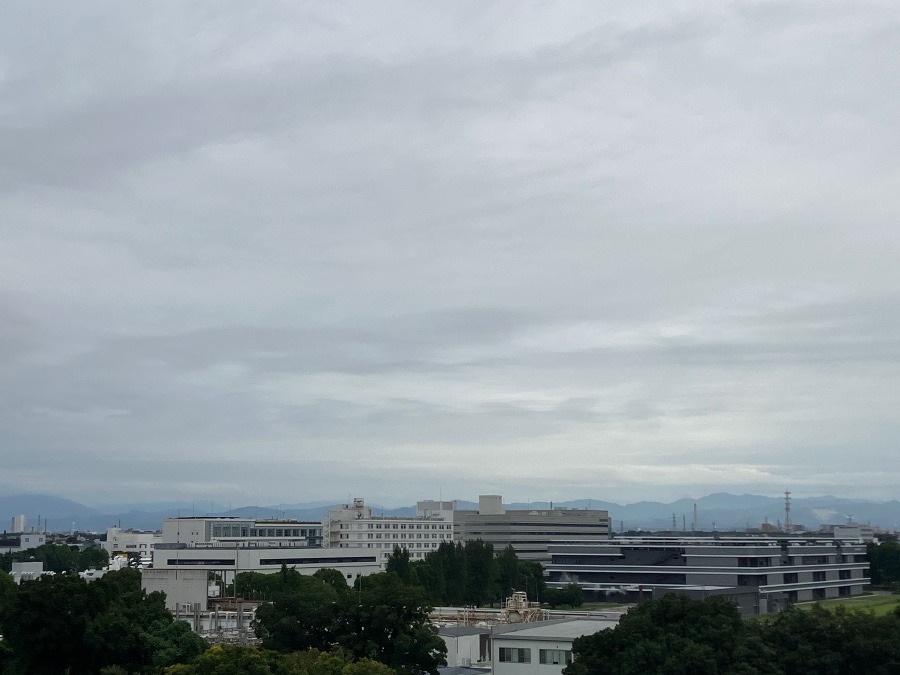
559 630
458 631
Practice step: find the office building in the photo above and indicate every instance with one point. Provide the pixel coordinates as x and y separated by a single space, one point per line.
355 526
183 572
119 540
776 571
529 531
200 530
542 648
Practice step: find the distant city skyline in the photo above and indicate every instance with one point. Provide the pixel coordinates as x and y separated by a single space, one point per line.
629 250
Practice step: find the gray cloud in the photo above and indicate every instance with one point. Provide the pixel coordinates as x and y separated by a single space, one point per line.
605 251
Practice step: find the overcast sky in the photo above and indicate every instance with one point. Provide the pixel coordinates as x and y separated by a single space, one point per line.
269 253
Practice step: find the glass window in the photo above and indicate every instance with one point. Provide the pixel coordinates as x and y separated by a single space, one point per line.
556 656
514 655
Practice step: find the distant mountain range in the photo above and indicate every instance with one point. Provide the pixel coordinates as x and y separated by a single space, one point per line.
720 511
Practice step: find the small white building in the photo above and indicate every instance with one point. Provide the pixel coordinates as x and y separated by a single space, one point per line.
543 648
26 571
182 572
466 645
354 526
21 542
120 540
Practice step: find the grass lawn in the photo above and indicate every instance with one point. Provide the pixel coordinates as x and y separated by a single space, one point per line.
878 604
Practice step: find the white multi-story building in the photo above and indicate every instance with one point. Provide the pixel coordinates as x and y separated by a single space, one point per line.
17 524
200 530
183 571
21 542
194 549
120 540
354 526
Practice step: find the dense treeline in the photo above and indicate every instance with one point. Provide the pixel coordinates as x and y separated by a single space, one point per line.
58 558
884 564
469 574
678 635
233 660
309 625
64 624
382 619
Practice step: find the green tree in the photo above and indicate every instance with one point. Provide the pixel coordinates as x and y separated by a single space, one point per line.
388 622
509 578
532 578
831 643
455 573
300 615
383 620
337 662
675 635
229 660
884 563
570 596
398 564
44 624
173 642
92 558
481 573
59 624
333 578
7 586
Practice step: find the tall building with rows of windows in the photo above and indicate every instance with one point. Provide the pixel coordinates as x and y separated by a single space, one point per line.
354 526
768 572
529 531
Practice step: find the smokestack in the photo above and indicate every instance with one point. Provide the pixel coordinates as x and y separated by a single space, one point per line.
788 525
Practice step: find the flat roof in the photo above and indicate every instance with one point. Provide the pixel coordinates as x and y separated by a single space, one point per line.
563 630
459 631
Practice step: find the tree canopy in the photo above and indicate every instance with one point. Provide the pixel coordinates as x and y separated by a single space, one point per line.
469 573
63 624
382 619
58 558
884 563
231 659
676 635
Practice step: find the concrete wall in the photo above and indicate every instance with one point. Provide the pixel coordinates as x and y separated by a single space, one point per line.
182 587
535 667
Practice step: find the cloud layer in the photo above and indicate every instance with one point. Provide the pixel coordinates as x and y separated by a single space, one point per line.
289 253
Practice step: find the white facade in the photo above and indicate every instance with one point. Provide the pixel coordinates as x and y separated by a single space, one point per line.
184 589
354 526
130 541
539 648
247 531
17 524
26 571
466 645
182 571
22 542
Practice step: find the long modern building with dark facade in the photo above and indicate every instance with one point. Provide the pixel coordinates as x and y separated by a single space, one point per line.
779 571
